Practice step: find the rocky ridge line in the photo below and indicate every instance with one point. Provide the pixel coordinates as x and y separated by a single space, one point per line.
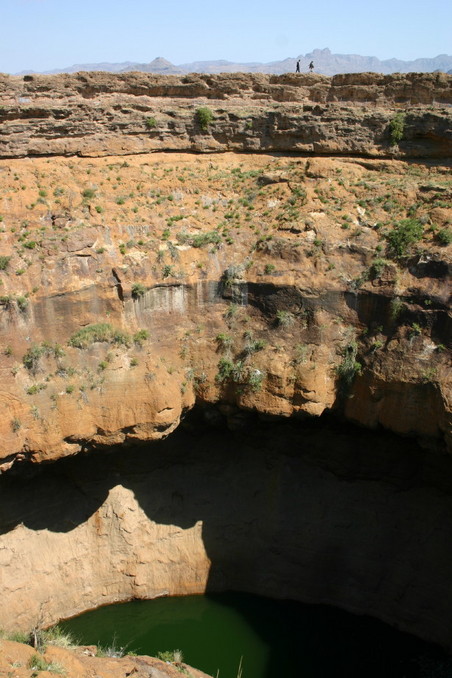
98 114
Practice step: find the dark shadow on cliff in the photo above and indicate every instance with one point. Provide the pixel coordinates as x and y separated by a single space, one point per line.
313 510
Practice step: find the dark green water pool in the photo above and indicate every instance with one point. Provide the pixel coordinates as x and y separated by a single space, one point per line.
270 638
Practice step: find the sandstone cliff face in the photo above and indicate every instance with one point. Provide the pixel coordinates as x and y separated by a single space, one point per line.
137 285
259 282
320 514
99 114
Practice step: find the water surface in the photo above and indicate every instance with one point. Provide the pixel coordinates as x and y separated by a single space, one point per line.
271 638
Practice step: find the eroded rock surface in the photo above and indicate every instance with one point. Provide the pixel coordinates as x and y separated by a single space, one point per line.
318 513
260 282
99 114
137 283
22 661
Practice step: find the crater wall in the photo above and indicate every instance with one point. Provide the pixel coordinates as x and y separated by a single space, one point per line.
100 114
323 514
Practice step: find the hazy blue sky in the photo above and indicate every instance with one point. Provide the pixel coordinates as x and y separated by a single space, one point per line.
46 34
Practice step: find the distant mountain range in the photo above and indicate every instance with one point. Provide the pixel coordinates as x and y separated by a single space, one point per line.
324 62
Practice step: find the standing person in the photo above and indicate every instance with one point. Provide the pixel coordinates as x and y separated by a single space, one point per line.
297 70
311 66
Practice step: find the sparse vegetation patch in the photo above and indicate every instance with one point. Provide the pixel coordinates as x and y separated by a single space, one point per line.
99 332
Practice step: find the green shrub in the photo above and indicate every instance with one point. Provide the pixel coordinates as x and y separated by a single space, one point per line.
36 388
6 300
239 373
396 308
170 656
151 123
404 234
167 271
396 129
138 290
284 318
301 352
111 651
4 262
444 236
18 636
204 117
140 336
225 370
349 367
224 341
210 238
32 357
254 345
254 379
231 311
377 267
56 636
22 303
88 193
35 352
56 350
99 332
37 663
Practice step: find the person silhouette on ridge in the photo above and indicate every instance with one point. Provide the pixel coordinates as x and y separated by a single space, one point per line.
311 66
297 70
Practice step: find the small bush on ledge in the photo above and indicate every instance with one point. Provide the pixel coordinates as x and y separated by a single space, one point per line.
397 128
37 351
140 337
4 262
98 332
444 237
349 367
403 236
138 290
204 117
244 376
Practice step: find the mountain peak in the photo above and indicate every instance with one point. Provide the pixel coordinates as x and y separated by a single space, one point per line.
160 62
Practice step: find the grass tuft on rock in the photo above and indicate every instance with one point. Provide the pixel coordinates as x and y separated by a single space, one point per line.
98 332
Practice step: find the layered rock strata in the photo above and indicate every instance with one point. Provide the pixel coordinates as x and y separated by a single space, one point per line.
138 285
254 281
99 114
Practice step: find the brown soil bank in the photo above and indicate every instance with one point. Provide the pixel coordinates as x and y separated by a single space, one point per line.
312 512
22 661
98 114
